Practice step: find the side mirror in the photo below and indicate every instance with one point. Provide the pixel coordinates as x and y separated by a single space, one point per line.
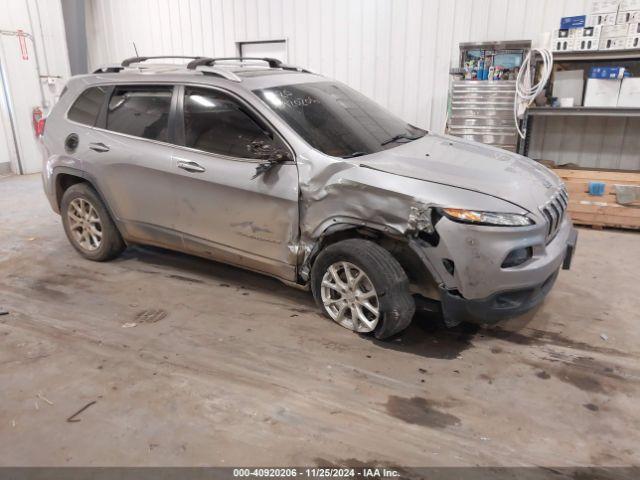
270 154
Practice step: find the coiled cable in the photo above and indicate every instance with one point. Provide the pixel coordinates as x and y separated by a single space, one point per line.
526 93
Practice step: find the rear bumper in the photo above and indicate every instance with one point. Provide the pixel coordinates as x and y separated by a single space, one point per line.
504 304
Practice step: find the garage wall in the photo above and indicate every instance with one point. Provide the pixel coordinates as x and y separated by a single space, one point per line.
395 51
21 88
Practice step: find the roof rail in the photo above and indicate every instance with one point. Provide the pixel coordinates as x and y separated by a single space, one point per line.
129 61
206 65
295 69
219 72
108 69
207 61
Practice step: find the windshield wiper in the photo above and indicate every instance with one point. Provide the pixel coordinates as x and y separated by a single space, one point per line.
355 154
401 136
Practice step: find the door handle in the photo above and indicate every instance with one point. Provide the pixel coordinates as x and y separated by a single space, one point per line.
99 147
192 167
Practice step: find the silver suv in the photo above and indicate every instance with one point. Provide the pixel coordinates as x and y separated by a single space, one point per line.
284 172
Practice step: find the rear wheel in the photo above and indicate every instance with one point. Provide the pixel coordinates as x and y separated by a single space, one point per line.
88 225
360 286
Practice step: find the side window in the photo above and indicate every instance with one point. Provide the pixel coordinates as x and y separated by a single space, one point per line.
142 111
87 106
216 123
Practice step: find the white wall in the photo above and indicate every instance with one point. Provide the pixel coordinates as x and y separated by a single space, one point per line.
43 20
395 51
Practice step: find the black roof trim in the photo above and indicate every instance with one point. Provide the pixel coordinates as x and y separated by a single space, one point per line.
108 69
209 62
129 61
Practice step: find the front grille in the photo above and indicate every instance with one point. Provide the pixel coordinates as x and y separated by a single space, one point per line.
554 211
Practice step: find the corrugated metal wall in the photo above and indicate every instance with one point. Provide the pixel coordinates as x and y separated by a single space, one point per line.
395 51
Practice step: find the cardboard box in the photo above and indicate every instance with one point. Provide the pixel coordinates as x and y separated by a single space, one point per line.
603 6
587 38
614 31
607 72
562 44
587 32
573 22
602 93
629 96
602 19
619 43
632 16
586 44
569 84
634 29
629 5
563 33
633 42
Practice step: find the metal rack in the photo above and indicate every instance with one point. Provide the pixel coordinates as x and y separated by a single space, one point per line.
598 55
584 112
619 56
482 110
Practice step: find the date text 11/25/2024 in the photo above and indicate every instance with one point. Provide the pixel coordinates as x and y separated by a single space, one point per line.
318 472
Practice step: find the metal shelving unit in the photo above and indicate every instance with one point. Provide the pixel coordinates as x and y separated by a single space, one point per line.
623 57
482 110
584 112
597 55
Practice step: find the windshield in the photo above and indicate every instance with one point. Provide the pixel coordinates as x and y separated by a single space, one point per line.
337 120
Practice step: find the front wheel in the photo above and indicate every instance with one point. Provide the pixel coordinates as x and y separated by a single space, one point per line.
359 285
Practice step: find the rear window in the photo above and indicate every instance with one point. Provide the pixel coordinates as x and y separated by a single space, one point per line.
141 111
86 108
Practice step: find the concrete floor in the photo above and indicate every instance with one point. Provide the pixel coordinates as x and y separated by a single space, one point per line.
226 367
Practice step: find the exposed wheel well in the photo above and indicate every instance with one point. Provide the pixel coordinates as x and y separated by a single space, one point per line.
420 277
63 182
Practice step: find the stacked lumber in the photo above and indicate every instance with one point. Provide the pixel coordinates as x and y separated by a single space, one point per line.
600 211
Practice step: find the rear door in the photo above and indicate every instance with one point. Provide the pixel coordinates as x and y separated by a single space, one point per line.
133 168
224 212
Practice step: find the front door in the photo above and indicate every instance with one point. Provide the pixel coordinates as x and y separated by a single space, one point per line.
223 211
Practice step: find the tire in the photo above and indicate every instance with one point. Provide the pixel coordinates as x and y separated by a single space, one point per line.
102 241
381 271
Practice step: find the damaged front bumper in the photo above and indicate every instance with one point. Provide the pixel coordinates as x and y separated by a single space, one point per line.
501 300
495 308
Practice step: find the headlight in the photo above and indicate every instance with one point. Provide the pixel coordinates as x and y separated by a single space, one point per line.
486 218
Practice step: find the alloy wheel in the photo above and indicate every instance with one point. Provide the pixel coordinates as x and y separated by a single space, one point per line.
84 224
349 297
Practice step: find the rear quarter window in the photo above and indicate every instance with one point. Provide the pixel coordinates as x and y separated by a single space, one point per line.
87 106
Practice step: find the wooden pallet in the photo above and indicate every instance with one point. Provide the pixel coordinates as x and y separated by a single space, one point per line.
602 211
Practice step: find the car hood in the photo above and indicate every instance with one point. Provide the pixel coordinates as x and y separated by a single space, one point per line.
469 165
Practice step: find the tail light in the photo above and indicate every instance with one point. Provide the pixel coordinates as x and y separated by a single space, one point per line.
38 121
